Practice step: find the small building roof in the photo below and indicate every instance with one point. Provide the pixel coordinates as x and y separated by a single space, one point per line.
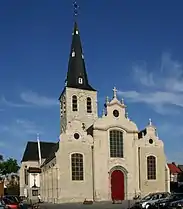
173 168
31 150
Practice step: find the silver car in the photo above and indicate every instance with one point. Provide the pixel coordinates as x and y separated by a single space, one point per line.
150 199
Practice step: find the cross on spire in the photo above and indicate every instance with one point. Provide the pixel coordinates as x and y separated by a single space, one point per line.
114 92
150 121
76 7
37 136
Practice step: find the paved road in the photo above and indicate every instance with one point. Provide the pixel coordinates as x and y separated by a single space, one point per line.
103 205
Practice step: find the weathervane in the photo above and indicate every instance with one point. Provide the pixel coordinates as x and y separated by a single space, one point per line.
76 7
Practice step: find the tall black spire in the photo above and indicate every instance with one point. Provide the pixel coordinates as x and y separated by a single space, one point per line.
77 75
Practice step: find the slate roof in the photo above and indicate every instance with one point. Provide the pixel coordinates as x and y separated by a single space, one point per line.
90 130
31 150
76 66
142 133
51 154
173 168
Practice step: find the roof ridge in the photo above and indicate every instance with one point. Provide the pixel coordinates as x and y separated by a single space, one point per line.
42 141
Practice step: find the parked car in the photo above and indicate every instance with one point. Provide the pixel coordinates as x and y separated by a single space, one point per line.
1 205
150 199
12 198
165 203
9 204
176 204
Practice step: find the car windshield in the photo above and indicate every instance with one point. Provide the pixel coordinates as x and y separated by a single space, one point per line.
7 201
13 198
148 197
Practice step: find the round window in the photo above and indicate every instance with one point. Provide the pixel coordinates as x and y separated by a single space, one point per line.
150 141
76 136
116 113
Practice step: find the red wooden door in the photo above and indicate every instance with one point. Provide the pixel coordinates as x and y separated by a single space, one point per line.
117 185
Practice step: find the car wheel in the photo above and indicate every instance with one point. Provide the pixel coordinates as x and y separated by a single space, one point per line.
147 206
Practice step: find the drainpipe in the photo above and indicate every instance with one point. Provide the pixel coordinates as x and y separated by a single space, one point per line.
93 174
139 168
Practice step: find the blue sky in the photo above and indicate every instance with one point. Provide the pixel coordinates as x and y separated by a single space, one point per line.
133 45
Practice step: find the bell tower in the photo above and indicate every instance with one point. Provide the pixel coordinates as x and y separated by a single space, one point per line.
78 100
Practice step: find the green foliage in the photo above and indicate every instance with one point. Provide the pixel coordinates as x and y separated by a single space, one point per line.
1 157
9 166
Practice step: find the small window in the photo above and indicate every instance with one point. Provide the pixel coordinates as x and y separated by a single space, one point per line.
76 136
73 54
150 141
74 103
89 105
77 167
116 113
35 192
26 176
151 168
80 80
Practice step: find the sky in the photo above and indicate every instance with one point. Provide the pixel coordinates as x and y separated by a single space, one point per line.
135 46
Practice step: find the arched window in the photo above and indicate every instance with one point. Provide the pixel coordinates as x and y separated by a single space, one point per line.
74 103
77 167
116 144
151 168
89 105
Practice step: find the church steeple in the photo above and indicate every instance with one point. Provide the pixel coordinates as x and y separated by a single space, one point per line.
77 75
78 100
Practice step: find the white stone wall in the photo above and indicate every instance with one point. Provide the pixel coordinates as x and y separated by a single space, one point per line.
74 191
24 187
155 149
104 163
81 115
56 179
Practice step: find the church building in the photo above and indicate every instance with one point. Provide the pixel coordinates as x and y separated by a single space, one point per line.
98 158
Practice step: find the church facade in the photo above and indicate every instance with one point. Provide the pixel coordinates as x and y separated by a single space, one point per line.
99 158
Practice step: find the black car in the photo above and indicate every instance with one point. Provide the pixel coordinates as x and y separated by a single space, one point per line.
165 203
13 198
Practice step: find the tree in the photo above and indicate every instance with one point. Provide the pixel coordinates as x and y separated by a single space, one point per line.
12 188
1 157
9 166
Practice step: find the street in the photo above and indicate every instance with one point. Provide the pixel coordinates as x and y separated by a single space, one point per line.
100 205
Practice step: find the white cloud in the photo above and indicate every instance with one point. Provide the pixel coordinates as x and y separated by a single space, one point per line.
21 128
30 99
28 127
38 100
162 87
5 102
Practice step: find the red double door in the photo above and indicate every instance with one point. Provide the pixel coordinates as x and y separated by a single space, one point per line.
117 185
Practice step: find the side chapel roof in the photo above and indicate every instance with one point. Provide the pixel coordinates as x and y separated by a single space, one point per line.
31 150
